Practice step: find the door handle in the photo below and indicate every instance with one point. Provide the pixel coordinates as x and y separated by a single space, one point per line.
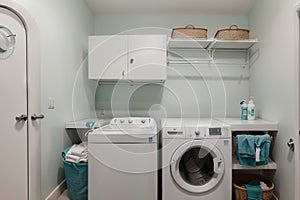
131 61
35 116
291 144
22 117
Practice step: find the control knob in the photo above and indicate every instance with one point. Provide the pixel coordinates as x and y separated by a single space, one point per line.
197 133
130 121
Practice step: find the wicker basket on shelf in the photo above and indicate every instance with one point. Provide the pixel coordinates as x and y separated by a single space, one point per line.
232 33
189 32
241 192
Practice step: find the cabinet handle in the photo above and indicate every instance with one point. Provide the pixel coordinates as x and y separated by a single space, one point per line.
22 117
131 61
35 116
291 144
123 73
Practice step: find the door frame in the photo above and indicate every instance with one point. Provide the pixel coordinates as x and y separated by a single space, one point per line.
297 96
33 95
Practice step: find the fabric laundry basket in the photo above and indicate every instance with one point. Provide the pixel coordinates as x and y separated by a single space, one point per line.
76 177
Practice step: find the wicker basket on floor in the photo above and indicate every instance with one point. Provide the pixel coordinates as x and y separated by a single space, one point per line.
241 192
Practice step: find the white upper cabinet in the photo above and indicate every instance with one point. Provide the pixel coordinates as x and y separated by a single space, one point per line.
147 57
128 57
107 57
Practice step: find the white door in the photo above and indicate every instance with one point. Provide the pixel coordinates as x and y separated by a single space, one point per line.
13 90
147 57
107 57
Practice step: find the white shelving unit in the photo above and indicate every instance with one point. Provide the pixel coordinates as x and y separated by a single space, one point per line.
189 43
231 57
236 165
244 125
210 46
258 125
232 44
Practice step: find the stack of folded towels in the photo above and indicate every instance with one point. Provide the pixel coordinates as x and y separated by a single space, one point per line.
253 150
78 153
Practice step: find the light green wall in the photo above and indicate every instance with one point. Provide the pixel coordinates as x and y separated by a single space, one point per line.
180 96
273 82
64 27
114 23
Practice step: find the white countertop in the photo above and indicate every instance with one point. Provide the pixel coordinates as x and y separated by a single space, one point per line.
86 123
244 125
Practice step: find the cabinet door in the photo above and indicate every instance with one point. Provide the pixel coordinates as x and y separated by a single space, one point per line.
147 57
107 57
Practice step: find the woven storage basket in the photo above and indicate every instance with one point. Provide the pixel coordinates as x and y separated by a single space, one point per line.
232 33
240 191
189 32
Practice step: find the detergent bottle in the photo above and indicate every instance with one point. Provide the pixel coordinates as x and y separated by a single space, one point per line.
244 107
251 109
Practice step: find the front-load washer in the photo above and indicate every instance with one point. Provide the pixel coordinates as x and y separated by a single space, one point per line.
123 160
196 159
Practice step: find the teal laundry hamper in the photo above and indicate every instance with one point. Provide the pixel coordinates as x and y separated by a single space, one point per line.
76 177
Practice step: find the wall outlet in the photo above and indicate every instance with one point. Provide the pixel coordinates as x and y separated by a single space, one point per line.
102 111
51 103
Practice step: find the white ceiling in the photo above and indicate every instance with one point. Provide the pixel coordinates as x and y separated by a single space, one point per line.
236 7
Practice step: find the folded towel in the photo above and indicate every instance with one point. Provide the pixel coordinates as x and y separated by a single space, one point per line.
246 150
76 159
254 191
262 142
72 158
263 185
78 149
77 153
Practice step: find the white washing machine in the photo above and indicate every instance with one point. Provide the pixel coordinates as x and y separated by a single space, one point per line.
196 159
123 160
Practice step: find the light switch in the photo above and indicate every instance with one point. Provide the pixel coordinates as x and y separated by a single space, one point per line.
51 102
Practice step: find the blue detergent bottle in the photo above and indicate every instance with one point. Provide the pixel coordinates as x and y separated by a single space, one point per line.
244 108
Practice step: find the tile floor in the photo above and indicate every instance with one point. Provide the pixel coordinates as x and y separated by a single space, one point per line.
64 196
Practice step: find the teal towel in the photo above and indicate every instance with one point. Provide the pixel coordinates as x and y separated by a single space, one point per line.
263 142
246 149
254 191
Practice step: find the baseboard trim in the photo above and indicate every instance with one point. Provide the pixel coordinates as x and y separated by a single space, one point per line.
274 197
54 195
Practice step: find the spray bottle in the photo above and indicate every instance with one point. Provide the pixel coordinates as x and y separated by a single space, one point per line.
244 107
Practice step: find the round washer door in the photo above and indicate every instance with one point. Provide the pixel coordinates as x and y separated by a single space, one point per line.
197 166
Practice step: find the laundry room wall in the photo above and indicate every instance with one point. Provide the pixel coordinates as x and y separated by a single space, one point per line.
185 93
273 82
64 27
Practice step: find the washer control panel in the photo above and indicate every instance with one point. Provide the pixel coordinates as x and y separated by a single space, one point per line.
194 128
207 132
132 122
196 132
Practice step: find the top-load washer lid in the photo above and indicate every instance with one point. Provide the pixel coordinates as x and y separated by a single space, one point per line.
127 129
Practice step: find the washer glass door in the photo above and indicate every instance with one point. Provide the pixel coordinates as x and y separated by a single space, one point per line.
197 166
